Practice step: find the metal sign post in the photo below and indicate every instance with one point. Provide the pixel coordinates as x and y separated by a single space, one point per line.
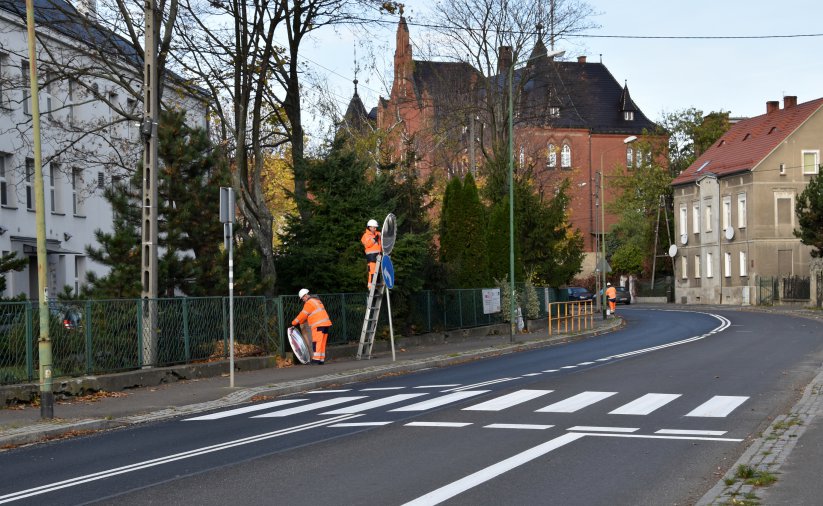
227 218
388 279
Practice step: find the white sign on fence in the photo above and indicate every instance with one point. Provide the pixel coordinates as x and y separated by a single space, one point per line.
491 300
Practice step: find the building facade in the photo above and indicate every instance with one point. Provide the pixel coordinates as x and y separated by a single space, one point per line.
735 205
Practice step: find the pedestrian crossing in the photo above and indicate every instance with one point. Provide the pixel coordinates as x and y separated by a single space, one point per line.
538 401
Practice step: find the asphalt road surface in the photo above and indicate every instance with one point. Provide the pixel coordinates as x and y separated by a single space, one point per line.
651 414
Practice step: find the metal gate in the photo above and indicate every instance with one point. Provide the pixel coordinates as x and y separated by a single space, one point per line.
820 289
767 291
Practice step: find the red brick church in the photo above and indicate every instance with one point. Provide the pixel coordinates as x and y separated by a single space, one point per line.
570 120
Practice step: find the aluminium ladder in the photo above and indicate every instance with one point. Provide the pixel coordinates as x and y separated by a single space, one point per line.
373 303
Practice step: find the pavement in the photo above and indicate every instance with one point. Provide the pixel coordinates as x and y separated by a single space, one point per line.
791 449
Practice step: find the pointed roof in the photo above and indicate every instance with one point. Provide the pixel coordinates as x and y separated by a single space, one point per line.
356 116
626 102
748 142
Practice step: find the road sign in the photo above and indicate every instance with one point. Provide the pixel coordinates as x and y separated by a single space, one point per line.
388 271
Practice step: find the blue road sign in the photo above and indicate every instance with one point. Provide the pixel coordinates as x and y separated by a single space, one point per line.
388 271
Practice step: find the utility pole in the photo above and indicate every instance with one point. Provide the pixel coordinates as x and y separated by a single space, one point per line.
148 131
43 342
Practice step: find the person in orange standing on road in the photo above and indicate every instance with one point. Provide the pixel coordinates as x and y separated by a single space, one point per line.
611 295
315 313
371 243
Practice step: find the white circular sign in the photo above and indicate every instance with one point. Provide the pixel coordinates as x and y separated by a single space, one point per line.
673 250
729 233
684 238
388 234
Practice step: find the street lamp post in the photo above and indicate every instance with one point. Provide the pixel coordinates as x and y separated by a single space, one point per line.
602 265
512 315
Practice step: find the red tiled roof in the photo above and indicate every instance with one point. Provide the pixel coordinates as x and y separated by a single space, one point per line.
748 142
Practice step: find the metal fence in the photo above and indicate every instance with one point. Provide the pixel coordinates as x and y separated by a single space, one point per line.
767 291
103 336
796 288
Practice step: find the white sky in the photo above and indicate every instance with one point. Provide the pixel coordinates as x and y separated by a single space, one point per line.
664 75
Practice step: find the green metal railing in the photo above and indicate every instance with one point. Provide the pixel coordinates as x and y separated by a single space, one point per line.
103 336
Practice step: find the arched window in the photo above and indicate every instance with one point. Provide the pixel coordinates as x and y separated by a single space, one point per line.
629 157
551 160
522 159
566 157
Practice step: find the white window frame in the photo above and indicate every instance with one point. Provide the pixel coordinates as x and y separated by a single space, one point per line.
684 267
5 184
522 157
696 217
76 186
29 174
554 111
727 212
697 267
4 74
54 194
566 156
816 161
629 157
552 158
708 215
709 264
727 264
741 210
684 216
744 268
24 70
787 196
628 115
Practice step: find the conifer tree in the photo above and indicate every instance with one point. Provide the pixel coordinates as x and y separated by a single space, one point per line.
8 263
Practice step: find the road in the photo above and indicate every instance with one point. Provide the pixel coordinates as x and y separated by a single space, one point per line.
651 414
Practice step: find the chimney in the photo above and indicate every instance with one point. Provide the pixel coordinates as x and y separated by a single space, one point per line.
581 59
789 101
772 106
504 59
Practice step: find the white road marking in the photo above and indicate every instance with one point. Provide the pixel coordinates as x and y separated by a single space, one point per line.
438 386
691 432
380 389
576 402
718 406
493 471
328 391
531 374
585 363
508 400
517 426
586 428
652 436
437 424
51 487
309 407
551 370
360 424
569 367
357 408
483 384
645 404
240 411
441 401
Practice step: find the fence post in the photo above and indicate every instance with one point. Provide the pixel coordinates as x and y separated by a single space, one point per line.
29 343
186 344
89 350
139 332
343 317
281 338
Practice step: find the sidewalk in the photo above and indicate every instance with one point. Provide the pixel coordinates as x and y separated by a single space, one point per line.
108 410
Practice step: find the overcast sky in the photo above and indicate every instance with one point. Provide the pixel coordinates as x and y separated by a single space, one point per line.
738 75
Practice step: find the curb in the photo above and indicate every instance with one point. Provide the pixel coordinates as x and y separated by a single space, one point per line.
57 428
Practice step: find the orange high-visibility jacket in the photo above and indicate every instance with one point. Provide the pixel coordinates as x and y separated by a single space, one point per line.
611 292
371 241
313 312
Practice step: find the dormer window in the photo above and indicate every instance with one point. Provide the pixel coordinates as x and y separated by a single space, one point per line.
628 115
554 112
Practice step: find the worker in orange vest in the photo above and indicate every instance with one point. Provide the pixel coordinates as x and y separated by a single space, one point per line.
611 295
315 314
371 244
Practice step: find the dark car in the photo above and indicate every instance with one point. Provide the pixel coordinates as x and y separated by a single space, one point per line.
70 317
623 295
579 293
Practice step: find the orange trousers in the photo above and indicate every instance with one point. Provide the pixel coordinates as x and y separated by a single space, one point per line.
319 336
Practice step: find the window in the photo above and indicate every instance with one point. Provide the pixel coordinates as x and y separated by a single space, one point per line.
76 185
70 109
79 272
811 161
783 205
24 70
709 265
629 157
4 64
29 174
566 157
628 115
727 264
54 191
696 218
683 217
101 181
743 266
552 158
131 105
697 266
708 215
4 254
741 210
554 112
114 127
522 157
727 212
4 183
48 87
782 169
684 267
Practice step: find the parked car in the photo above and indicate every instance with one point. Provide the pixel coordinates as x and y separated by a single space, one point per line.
579 293
623 295
70 317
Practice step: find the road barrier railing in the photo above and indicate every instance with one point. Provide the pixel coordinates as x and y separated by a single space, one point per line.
571 316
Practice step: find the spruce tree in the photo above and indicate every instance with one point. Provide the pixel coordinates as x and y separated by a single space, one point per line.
473 251
8 263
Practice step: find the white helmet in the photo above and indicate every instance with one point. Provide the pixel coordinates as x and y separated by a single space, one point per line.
302 293
608 284
372 223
